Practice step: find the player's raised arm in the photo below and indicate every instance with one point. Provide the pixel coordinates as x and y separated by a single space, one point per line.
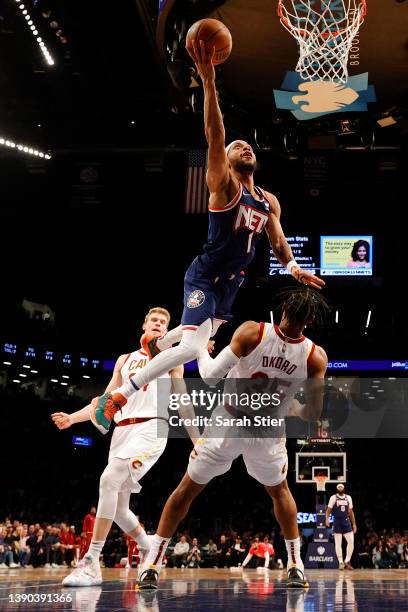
282 250
218 174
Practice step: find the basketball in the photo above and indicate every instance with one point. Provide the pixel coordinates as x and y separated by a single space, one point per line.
213 33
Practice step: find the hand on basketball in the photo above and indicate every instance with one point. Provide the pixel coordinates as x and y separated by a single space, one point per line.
203 60
306 278
62 420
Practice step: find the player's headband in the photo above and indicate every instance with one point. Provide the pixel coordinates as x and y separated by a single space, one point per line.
229 147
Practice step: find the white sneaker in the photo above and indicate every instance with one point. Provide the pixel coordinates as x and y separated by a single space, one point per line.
47 566
13 565
55 565
88 573
3 566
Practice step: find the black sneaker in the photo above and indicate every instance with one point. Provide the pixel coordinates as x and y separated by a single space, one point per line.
149 579
296 578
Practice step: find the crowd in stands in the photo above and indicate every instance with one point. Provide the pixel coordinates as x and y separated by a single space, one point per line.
59 545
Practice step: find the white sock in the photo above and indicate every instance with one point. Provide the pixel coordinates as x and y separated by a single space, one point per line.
142 539
95 549
192 342
173 336
293 550
158 546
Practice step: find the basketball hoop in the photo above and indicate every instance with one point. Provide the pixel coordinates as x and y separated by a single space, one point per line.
324 34
320 482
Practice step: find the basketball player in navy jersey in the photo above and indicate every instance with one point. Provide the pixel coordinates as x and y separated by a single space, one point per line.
341 507
239 212
257 350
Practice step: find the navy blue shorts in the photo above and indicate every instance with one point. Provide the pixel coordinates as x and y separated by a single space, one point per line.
207 297
342 526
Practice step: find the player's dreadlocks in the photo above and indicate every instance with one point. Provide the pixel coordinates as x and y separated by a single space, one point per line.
303 304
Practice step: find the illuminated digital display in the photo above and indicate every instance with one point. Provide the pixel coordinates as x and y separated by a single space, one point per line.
67 359
81 441
346 255
30 352
304 251
10 348
84 361
49 355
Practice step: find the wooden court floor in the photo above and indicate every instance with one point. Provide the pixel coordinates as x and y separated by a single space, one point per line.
202 590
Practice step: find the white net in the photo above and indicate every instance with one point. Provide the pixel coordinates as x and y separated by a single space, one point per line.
320 482
324 30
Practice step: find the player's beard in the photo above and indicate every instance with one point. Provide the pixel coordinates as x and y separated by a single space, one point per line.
245 166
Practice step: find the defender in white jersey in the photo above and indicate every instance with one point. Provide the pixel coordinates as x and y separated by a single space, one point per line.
134 449
256 350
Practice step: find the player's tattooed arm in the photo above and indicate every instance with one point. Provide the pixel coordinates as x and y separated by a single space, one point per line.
313 389
281 248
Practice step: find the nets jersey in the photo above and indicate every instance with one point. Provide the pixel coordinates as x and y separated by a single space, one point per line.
340 506
233 233
144 402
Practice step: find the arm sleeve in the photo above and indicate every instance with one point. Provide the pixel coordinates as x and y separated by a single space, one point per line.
212 370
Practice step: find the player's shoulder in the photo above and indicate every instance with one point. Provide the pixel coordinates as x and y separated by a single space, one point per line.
249 331
273 201
122 359
332 501
317 361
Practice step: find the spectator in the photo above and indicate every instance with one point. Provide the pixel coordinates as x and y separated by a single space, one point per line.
5 551
20 546
9 544
237 552
180 552
194 555
210 554
224 553
37 548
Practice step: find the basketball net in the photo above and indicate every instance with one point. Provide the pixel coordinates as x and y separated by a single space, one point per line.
324 30
320 482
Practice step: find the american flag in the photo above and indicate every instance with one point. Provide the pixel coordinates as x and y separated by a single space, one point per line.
197 195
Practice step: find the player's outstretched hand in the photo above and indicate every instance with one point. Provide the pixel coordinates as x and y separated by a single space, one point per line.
62 420
203 60
307 278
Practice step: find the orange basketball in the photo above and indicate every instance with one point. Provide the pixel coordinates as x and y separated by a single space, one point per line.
213 33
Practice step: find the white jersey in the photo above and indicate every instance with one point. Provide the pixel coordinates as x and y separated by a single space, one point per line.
141 404
336 500
275 356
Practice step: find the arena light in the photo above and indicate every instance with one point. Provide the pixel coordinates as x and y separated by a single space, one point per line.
65 376
33 29
27 367
33 371
16 380
6 362
368 318
86 376
10 144
54 380
337 316
23 375
64 384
